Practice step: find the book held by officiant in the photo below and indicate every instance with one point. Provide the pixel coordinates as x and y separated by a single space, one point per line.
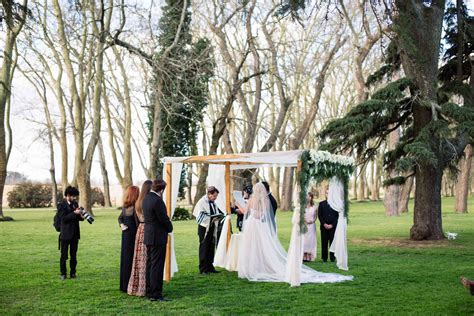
239 198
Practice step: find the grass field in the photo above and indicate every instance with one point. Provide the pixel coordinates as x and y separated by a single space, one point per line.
391 274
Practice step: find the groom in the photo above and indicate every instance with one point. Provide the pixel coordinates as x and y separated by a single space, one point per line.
209 218
328 219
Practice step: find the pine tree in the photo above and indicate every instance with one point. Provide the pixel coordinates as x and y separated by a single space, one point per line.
435 130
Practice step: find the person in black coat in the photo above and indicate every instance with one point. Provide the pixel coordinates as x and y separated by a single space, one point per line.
273 201
157 227
328 219
70 215
128 222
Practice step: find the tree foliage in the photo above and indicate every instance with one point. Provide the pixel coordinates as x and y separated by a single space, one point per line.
392 107
184 74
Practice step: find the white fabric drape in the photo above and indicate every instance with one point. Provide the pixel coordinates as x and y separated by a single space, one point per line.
221 251
176 169
216 178
295 252
336 202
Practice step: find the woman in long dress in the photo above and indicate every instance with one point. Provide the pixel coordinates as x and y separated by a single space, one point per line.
128 222
137 283
309 238
261 256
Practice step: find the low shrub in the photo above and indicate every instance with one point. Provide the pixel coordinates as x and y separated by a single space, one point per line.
29 194
181 214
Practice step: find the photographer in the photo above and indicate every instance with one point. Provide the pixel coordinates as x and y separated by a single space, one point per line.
70 215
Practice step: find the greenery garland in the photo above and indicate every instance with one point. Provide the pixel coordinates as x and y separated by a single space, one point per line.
319 166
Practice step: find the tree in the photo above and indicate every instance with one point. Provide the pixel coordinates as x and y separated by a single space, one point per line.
183 77
14 16
434 130
86 88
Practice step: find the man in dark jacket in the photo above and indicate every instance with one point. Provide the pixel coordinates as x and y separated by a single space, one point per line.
70 215
328 219
157 227
273 201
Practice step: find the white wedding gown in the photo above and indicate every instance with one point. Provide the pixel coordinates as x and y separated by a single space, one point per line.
261 256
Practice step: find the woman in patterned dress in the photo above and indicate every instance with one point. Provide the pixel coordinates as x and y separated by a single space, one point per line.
137 283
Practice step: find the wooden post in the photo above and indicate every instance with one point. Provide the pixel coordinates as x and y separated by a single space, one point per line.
227 200
169 185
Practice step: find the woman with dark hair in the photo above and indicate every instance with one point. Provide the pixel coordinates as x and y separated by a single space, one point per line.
128 221
137 283
309 238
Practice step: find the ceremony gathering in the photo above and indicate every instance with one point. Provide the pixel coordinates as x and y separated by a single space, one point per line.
237 157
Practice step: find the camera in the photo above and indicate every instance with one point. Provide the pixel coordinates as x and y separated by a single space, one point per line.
86 215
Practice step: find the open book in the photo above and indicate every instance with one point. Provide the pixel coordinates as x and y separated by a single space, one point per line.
239 199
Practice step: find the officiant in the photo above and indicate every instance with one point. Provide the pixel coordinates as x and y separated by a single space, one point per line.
210 219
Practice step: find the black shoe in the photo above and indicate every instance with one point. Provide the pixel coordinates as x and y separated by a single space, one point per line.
164 299
214 271
333 260
325 260
73 275
204 273
63 277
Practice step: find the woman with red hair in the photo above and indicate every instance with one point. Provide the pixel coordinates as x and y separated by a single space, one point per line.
128 221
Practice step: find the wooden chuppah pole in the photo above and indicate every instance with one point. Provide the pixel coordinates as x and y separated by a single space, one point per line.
169 185
227 200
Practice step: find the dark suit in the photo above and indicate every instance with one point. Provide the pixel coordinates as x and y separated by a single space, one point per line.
273 202
327 215
157 227
69 235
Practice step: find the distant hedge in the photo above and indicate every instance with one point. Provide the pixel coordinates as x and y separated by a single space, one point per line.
34 195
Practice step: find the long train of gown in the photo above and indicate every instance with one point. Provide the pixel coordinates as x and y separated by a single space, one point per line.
263 258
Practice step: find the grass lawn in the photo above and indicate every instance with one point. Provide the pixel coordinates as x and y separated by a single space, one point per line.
391 274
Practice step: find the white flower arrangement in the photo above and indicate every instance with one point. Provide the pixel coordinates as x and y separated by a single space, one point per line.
318 156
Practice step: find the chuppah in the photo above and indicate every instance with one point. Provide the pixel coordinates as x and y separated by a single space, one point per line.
282 266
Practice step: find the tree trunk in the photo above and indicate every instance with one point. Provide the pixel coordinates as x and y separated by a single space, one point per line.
362 183
376 181
52 170
85 191
13 28
404 197
105 175
427 210
287 190
392 192
462 183
354 184
274 180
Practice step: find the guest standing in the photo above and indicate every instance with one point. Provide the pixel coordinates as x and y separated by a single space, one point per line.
128 221
137 283
328 219
309 239
157 227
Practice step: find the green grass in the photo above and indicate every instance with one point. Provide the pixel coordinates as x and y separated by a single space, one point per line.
391 274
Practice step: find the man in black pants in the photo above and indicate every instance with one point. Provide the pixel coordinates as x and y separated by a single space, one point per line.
157 227
328 219
209 218
70 215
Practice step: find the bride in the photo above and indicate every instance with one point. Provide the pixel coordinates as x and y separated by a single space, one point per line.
261 256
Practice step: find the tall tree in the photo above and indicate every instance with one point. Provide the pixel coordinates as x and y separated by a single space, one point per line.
434 130
183 78
14 16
